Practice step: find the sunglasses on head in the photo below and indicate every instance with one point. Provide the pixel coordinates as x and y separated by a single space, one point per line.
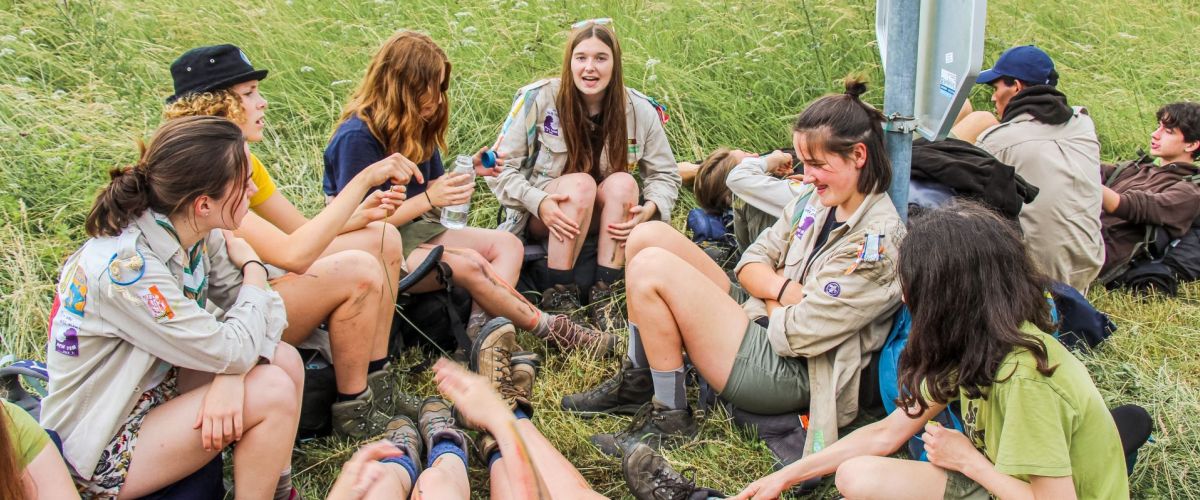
585 22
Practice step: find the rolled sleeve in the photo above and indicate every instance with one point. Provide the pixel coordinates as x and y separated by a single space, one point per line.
751 182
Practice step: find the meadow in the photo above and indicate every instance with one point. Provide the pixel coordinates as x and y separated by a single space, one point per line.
81 81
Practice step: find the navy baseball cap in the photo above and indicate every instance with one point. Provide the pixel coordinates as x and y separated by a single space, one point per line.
1027 63
215 67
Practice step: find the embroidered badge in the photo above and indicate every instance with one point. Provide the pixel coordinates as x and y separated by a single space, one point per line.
633 147
157 304
548 126
66 341
833 289
76 293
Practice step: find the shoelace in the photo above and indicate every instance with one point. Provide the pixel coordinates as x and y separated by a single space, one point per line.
566 333
678 486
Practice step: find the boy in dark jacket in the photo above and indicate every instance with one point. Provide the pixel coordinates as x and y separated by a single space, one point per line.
1152 194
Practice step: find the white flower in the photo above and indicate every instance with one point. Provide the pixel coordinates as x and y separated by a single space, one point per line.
651 63
651 78
338 83
1126 35
23 79
306 69
462 14
470 30
27 32
520 5
8 38
58 94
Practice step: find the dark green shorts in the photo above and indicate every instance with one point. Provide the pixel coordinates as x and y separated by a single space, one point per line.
961 487
419 231
761 381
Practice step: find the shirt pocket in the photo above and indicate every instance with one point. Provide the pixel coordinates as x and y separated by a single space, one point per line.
552 156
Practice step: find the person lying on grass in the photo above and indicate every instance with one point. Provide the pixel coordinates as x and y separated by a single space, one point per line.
339 268
1036 426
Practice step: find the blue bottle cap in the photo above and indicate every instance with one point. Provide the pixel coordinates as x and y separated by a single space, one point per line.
489 159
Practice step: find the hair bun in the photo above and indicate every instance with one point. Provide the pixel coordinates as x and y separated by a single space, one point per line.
856 86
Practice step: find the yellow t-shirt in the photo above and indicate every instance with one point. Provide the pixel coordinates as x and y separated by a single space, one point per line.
262 179
28 438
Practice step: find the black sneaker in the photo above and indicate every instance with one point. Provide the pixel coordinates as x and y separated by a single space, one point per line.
655 425
651 477
622 394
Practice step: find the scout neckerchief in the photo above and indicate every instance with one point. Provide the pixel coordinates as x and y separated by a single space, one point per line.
195 277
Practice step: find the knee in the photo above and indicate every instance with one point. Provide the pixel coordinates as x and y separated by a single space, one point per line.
434 477
619 186
644 268
288 359
469 265
580 187
360 270
273 390
391 249
856 475
645 234
508 244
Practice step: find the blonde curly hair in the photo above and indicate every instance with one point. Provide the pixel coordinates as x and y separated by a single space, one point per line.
224 103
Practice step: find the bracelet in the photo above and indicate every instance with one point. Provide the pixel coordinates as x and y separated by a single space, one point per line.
259 262
428 198
786 282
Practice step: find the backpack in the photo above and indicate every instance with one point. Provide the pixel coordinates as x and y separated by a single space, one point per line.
713 233
1151 265
33 373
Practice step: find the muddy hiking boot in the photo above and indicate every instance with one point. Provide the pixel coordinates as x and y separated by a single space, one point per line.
491 356
387 400
403 433
605 311
437 423
567 335
561 299
622 394
525 367
358 418
655 425
651 477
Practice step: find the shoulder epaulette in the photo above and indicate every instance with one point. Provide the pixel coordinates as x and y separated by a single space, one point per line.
661 109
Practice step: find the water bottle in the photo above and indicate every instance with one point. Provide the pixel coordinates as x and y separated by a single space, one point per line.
455 217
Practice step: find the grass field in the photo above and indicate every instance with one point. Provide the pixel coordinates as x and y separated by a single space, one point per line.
81 80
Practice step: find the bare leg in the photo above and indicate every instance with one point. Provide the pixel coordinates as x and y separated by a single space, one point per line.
471 271
393 484
581 188
348 289
662 235
502 249
615 196
890 478
972 125
445 478
286 357
168 448
382 241
663 292
561 477
966 109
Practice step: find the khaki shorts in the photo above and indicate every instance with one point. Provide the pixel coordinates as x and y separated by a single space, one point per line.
961 487
761 381
419 231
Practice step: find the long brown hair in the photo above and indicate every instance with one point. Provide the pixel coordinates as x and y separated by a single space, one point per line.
837 122
187 158
712 194
11 485
405 70
970 285
573 112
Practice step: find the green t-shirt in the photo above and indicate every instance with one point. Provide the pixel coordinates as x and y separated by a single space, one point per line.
1033 425
27 436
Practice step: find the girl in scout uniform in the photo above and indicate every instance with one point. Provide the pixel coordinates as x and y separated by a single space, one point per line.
130 313
569 145
402 108
817 294
337 269
1036 426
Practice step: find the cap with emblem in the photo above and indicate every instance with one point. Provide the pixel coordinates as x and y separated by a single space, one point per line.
215 67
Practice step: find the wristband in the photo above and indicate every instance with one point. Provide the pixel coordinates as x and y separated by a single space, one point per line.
779 297
259 262
428 198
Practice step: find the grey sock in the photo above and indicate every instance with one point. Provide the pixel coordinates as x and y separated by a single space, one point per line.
637 353
668 388
283 489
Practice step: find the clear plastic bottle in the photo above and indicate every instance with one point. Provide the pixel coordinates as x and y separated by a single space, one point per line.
455 217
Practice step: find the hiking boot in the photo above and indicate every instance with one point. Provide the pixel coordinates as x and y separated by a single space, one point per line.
437 423
622 394
358 418
403 433
486 444
650 477
561 299
387 400
525 366
655 424
491 356
606 313
566 334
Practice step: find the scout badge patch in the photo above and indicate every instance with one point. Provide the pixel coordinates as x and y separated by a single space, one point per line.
157 304
870 250
549 125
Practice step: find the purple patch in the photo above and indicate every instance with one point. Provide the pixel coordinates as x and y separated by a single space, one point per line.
833 289
548 126
804 225
67 343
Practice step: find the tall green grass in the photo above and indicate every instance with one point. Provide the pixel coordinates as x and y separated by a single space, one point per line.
80 81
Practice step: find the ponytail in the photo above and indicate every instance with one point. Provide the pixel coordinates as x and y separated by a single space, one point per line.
187 158
837 122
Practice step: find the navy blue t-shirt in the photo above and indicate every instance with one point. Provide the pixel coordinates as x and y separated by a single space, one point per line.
353 148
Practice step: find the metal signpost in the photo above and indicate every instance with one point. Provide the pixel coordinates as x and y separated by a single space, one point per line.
932 51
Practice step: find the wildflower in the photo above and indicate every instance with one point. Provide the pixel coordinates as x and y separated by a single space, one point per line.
8 38
27 32
338 83
651 63
23 80
306 69
470 30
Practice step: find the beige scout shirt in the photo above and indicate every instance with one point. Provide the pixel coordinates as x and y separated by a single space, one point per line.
849 300
127 309
536 153
1062 225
